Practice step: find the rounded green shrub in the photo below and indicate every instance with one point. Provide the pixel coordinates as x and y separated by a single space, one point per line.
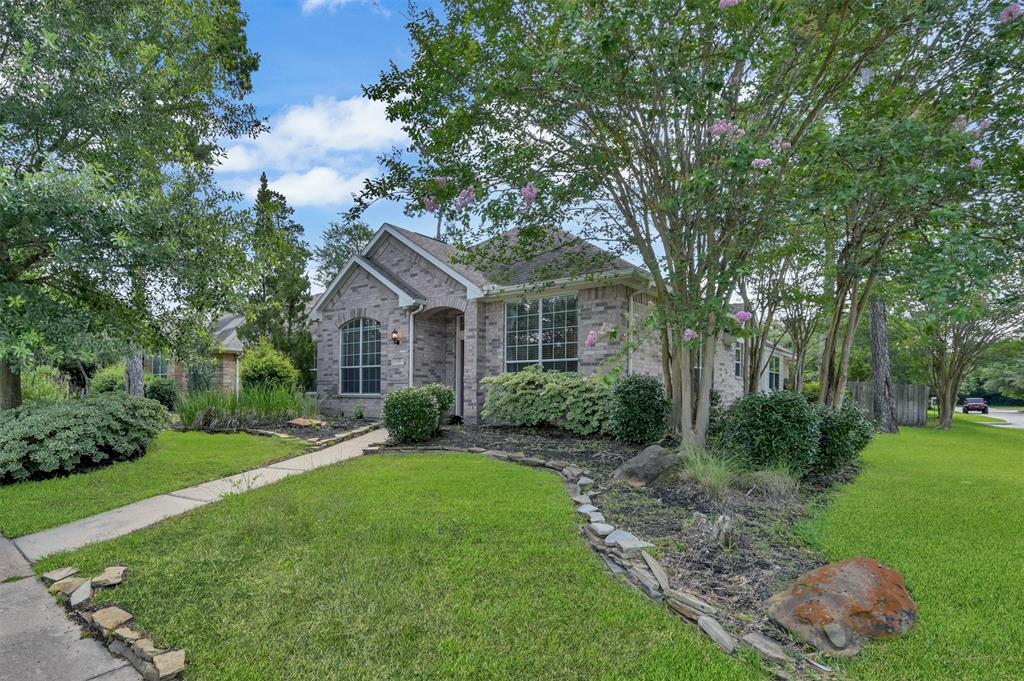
42 384
108 379
410 414
445 398
39 440
639 409
772 430
565 400
844 433
263 366
163 390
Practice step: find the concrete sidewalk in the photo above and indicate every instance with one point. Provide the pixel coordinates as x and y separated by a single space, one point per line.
121 521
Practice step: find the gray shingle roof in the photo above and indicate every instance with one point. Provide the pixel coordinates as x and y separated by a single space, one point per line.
225 331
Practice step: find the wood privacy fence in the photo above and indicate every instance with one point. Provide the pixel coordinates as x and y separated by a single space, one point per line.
911 401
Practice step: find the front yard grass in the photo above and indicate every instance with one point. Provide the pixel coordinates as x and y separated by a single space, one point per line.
945 508
442 566
174 460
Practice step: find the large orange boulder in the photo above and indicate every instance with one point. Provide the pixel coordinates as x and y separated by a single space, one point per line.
838 607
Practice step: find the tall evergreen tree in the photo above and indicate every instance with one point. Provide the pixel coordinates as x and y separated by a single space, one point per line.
342 240
278 300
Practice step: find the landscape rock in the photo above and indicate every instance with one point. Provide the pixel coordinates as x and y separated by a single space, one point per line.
656 570
127 634
839 607
500 456
613 565
533 461
646 581
765 647
168 664
145 648
59 574
516 456
626 542
557 464
304 423
572 472
584 482
690 602
581 499
111 618
596 517
710 626
586 509
123 650
112 576
601 529
80 595
646 467
67 585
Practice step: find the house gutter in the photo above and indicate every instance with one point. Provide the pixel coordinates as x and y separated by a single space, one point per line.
412 337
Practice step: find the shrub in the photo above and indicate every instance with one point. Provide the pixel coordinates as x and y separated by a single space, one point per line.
810 391
639 409
359 411
445 398
42 439
212 410
410 414
42 384
532 397
264 367
771 430
109 379
844 433
163 390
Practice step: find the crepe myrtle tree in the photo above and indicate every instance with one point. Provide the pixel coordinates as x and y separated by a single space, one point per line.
664 130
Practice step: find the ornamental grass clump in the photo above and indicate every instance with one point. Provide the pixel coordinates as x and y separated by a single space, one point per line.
212 410
45 439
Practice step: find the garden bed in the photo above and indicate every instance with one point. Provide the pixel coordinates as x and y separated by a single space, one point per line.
763 555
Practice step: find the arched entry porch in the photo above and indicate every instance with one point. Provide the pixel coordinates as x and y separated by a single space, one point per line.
439 350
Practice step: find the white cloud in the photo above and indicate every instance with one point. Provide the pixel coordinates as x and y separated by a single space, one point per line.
313 5
306 134
320 186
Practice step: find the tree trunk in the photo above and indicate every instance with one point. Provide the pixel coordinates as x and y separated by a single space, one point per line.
883 400
10 387
947 404
799 362
133 376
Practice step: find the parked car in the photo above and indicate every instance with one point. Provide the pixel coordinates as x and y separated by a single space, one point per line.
975 404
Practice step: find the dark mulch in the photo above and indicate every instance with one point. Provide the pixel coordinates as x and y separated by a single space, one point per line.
333 425
763 557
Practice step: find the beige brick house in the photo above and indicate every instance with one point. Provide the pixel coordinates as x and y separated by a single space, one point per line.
402 312
222 372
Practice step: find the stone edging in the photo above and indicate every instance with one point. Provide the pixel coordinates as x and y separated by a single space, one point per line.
625 555
113 625
316 443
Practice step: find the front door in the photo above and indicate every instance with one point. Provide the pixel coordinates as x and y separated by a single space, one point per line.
460 354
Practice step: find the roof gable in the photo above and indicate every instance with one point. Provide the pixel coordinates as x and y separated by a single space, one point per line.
407 296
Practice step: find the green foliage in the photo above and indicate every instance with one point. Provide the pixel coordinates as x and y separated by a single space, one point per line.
769 430
38 440
566 400
712 471
410 414
844 434
810 391
639 409
163 390
445 398
359 411
263 366
108 379
262 405
341 240
42 384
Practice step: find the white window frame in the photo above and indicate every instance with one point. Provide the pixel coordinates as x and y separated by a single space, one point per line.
360 365
520 364
739 359
774 373
166 366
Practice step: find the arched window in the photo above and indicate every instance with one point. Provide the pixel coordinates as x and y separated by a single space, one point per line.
360 357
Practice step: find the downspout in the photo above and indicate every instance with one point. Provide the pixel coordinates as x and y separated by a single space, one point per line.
412 336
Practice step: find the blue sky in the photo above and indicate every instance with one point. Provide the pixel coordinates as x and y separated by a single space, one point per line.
324 136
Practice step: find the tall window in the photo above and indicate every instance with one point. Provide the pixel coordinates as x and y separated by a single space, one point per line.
738 358
542 331
160 366
360 357
774 372
315 370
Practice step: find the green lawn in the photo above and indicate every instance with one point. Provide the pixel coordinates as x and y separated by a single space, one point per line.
946 509
447 566
174 460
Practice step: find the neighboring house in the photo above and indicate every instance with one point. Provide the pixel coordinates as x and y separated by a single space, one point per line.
402 312
220 374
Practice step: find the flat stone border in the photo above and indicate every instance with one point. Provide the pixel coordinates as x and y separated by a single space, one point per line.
626 556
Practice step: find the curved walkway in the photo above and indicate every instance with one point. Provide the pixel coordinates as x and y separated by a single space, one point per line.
38 642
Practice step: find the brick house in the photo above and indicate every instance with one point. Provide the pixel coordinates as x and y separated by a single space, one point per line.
221 373
403 312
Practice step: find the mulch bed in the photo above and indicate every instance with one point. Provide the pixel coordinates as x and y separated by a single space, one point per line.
763 556
332 425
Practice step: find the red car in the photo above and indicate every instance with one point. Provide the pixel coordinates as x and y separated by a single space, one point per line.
975 404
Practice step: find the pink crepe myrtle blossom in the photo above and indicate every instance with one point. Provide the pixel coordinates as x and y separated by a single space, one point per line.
1010 12
726 4
760 163
689 334
976 162
430 204
591 339
465 199
723 128
529 193
743 316
779 144
441 181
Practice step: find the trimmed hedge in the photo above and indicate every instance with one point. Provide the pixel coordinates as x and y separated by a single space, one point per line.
410 414
844 434
639 409
263 366
163 390
445 398
532 397
40 440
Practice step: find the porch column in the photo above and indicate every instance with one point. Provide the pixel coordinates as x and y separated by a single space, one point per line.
472 371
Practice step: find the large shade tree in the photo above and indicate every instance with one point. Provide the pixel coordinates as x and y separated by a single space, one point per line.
668 130
110 114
